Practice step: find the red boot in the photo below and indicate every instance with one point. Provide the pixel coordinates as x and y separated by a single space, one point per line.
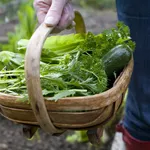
130 142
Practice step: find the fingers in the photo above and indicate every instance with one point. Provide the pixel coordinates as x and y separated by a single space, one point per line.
58 13
41 7
67 17
55 12
66 21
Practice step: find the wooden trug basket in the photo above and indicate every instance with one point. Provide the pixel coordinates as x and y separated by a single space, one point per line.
76 113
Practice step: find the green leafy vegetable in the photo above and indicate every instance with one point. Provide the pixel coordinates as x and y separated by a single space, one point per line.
10 60
71 65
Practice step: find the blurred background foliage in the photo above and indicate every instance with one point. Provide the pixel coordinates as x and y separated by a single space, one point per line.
24 28
8 8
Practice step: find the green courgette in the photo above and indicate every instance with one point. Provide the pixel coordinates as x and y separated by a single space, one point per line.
116 59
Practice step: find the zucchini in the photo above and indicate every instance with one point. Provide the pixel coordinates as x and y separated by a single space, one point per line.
116 59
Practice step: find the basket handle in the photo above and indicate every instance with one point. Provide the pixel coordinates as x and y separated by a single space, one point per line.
32 73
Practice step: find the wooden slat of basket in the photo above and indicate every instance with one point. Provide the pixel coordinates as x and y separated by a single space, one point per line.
60 119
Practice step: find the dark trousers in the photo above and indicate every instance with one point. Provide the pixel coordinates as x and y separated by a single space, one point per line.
136 14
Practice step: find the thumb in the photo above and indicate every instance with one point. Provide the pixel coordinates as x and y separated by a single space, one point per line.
54 13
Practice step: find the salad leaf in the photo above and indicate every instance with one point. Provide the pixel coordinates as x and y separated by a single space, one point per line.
10 60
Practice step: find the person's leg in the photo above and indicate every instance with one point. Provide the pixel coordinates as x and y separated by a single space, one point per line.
136 14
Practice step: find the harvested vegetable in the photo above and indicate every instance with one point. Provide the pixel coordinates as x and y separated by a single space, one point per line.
116 59
71 65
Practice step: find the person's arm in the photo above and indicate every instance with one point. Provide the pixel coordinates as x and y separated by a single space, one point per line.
57 13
